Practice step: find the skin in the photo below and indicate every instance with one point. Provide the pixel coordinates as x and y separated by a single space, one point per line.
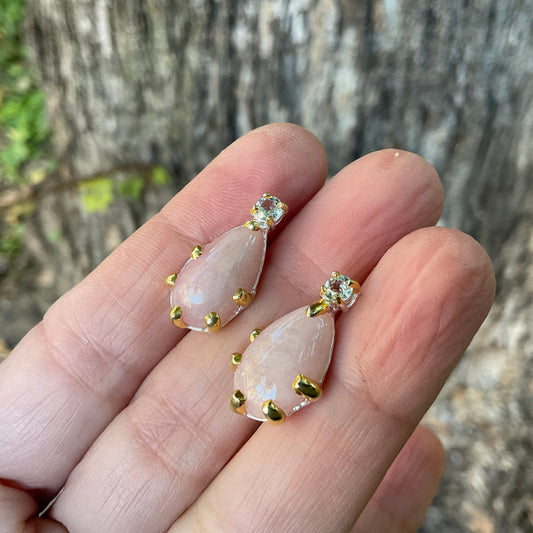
107 399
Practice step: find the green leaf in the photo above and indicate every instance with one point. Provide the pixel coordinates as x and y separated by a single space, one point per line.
96 195
22 107
160 176
131 187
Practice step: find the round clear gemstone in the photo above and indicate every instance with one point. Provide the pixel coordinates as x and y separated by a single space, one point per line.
265 208
338 290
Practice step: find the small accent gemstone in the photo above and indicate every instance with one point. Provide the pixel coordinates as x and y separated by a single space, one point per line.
267 207
338 290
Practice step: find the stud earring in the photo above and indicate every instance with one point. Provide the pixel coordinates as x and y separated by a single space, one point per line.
220 279
282 370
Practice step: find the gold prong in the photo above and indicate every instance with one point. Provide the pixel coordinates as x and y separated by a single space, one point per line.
338 300
237 402
235 360
285 207
306 387
212 321
323 290
270 221
171 280
252 225
317 308
177 317
334 274
273 413
196 251
267 195
254 334
355 286
242 297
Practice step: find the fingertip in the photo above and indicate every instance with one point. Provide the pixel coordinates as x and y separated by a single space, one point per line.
275 139
462 266
289 130
424 302
407 175
426 445
419 170
407 489
463 256
413 479
283 159
292 138
415 473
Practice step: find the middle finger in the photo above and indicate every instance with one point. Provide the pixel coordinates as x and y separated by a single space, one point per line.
165 448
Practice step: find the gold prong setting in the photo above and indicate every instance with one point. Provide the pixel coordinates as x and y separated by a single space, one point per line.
212 322
317 308
238 402
273 413
196 251
307 388
235 360
176 315
171 280
339 291
252 225
266 212
243 297
254 334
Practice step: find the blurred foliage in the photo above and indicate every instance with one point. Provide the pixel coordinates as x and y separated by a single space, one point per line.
131 187
12 231
23 126
97 194
11 239
160 176
24 133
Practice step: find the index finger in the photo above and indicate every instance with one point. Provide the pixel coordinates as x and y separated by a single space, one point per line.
81 365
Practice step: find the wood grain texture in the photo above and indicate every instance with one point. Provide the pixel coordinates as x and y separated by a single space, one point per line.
174 82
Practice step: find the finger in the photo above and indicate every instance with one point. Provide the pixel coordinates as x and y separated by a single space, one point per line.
18 511
418 310
403 497
75 370
173 439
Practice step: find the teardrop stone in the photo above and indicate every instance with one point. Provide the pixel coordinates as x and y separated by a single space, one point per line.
292 345
207 284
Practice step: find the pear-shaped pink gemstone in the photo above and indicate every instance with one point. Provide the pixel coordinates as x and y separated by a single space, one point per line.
292 345
207 284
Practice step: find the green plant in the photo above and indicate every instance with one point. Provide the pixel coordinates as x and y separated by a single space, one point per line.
160 176
12 228
23 126
131 187
96 194
11 240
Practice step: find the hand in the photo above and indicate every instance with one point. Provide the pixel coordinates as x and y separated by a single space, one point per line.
174 457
